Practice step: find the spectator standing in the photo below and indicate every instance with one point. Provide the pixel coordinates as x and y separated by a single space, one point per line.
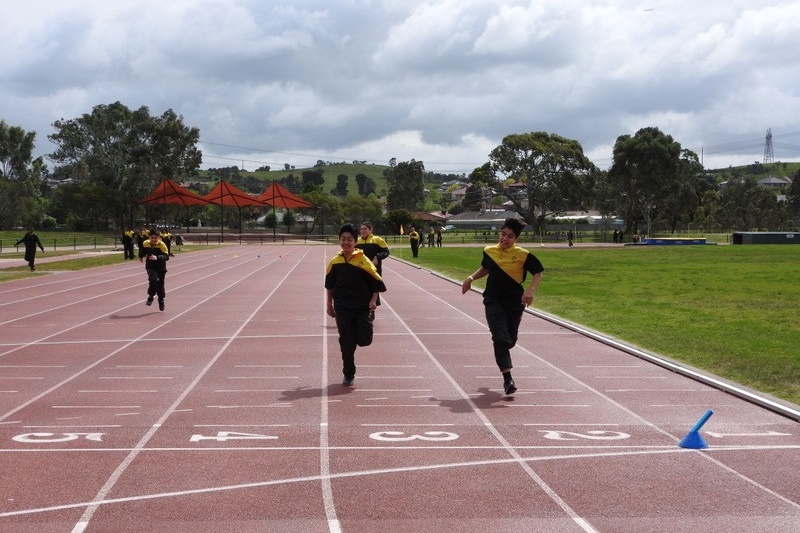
127 243
413 239
31 241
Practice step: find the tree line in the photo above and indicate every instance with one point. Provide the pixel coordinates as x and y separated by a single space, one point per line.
108 159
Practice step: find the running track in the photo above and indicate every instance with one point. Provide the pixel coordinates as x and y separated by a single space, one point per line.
225 413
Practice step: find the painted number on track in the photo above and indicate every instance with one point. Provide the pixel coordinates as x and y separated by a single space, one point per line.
399 436
224 436
589 435
53 437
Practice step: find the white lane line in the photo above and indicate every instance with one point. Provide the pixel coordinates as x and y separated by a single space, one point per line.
631 377
324 433
410 425
512 452
355 474
247 406
383 405
387 366
493 367
32 366
662 390
267 366
393 390
568 424
136 367
609 366
136 377
76 426
88 513
237 391
96 407
517 378
514 404
241 425
117 391
681 405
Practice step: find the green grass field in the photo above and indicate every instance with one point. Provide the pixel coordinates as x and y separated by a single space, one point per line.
729 310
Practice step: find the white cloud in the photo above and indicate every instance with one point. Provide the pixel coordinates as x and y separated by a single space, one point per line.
439 81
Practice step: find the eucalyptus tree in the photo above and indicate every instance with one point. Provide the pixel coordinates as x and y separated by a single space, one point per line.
125 152
793 197
654 177
406 187
556 174
20 177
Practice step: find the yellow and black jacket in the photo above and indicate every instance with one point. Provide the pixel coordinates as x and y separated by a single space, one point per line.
373 247
507 271
353 280
161 253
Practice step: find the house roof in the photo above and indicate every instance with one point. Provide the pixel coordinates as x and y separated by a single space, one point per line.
431 217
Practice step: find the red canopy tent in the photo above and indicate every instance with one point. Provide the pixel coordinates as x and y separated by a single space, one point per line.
169 192
224 194
277 195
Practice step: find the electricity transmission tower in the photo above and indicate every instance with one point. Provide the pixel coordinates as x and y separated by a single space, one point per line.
768 155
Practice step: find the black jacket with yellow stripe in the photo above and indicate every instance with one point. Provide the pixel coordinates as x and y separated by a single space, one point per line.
161 253
353 280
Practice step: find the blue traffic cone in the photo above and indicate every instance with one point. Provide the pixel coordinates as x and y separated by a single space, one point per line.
693 440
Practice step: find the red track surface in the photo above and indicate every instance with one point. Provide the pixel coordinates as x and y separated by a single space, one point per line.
226 413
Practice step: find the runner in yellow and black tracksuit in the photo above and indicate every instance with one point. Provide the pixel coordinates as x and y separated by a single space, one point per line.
375 248
352 283
154 251
504 298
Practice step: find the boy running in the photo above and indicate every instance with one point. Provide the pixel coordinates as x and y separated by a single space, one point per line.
157 255
352 283
504 298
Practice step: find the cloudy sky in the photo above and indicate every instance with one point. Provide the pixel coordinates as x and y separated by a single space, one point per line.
270 82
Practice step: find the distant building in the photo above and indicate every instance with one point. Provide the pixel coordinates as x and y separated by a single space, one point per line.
772 181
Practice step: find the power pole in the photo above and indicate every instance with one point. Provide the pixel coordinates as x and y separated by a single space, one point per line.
768 155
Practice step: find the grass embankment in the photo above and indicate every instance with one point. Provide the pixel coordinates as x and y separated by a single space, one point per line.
729 310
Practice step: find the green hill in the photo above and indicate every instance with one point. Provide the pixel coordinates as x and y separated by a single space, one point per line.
761 170
330 175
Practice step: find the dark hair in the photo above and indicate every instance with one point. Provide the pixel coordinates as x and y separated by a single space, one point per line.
367 223
348 228
154 232
514 224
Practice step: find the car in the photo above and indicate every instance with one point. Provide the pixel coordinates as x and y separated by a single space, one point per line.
448 227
